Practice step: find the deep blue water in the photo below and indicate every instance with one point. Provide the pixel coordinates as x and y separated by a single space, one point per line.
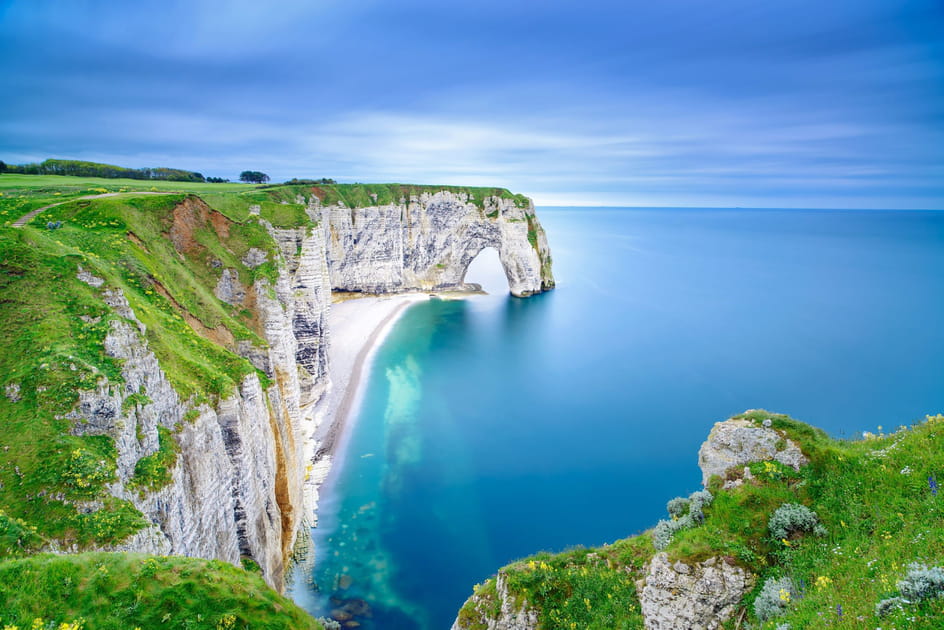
496 427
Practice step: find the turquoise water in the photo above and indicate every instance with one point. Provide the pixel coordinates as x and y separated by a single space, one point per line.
493 428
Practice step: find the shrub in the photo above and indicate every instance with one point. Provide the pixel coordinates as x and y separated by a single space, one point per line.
793 518
890 605
677 507
922 582
774 598
699 500
665 529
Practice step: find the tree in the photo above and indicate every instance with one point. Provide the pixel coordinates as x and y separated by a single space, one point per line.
253 177
3 166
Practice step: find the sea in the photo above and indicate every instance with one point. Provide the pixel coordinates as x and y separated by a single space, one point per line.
495 427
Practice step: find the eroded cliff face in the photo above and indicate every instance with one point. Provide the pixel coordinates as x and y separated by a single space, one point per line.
236 487
427 242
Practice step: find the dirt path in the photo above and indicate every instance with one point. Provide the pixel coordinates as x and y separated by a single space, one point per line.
26 218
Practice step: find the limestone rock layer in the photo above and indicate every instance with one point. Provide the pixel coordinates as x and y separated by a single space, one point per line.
427 242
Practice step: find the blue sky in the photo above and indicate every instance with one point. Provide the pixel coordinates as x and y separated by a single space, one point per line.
679 102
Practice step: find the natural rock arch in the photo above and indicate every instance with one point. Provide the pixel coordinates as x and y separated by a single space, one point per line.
428 244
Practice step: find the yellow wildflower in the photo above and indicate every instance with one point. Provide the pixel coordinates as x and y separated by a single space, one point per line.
823 581
785 595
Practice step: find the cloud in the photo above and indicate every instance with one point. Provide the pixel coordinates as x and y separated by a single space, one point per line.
627 103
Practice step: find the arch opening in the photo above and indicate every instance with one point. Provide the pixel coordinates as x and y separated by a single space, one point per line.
487 271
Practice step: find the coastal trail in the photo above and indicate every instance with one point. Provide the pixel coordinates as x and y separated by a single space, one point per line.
26 218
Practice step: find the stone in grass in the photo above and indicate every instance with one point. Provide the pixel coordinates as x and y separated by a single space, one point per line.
734 443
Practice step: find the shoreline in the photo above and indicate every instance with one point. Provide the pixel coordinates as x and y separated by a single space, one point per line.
350 356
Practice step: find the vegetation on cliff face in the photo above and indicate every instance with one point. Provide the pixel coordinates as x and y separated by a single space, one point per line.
876 498
112 591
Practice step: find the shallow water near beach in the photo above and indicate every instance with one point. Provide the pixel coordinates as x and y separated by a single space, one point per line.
494 427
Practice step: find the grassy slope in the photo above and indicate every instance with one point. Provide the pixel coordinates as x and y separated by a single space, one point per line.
879 520
126 591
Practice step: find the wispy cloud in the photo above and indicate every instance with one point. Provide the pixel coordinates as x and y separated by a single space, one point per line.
742 104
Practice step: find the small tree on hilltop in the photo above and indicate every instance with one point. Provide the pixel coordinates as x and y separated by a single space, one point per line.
253 177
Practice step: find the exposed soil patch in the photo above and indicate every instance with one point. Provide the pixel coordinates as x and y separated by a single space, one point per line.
190 215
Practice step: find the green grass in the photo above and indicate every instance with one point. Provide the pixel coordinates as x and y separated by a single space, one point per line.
154 471
878 518
126 591
363 195
20 194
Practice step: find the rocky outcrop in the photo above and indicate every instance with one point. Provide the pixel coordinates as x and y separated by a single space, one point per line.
496 610
427 242
699 596
737 442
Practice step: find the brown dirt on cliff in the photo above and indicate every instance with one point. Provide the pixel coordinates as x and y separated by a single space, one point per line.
190 215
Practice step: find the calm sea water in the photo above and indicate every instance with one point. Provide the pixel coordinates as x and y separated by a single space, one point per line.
493 428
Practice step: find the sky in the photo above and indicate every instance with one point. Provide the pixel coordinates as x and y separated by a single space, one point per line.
773 103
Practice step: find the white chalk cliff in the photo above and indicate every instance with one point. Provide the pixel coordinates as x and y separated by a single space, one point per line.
237 489
427 242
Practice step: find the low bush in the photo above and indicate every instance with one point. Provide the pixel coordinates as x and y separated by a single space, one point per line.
922 582
774 598
694 506
791 519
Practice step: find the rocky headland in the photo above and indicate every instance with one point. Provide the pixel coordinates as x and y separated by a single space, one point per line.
791 530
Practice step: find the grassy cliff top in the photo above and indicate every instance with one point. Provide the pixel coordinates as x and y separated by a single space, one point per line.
877 498
111 591
20 194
